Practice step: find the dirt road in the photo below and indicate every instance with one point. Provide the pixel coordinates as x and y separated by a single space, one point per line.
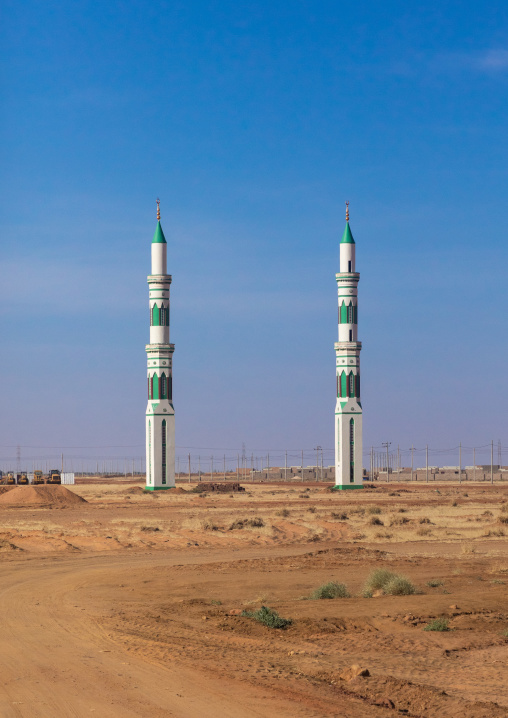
56 660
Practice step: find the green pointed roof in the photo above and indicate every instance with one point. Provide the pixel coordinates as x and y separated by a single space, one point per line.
347 237
158 237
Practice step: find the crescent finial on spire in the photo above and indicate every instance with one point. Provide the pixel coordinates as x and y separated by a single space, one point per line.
158 209
347 211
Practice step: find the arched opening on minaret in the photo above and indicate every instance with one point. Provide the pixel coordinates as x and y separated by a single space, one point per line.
149 451
343 385
155 387
351 450
164 433
164 386
351 386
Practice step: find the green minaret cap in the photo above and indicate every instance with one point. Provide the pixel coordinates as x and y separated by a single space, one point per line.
347 237
158 237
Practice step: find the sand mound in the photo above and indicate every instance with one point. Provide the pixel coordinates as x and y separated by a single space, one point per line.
178 490
41 496
133 490
3 489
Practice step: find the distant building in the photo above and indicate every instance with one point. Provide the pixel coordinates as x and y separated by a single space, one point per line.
160 414
348 409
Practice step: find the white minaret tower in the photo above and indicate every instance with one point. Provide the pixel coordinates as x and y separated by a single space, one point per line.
348 409
160 414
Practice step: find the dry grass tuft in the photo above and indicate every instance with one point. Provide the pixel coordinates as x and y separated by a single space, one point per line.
424 531
373 510
375 521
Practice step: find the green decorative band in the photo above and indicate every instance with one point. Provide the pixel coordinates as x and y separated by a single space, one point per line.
346 487
159 488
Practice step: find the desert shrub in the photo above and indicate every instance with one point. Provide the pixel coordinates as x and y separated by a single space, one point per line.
487 513
494 532
358 511
216 602
497 580
312 509
503 519
209 526
303 496
399 521
247 523
434 583
424 531
373 510
505 633
268 617
284 513
331 590
339 516
425 520
454 503
438 624
150 528
383 535
377 579
504 507
375 521
399 586
390 583
256 523
402 511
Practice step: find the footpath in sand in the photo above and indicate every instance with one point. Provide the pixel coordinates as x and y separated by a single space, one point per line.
130 604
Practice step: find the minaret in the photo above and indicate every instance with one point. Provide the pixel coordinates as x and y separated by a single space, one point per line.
160 414
348 409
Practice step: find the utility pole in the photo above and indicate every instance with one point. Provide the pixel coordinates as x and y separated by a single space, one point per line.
211 475
238 467
62 462
460 462
318 449
492 461
412 459
372 463
427 463
189 469
286 466
474 464
387 444
224 467
398 460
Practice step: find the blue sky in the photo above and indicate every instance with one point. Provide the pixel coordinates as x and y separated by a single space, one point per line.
253 122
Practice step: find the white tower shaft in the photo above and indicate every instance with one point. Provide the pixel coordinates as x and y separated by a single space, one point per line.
348 409
160 413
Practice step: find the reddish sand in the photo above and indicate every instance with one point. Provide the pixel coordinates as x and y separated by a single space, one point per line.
41 496
131 604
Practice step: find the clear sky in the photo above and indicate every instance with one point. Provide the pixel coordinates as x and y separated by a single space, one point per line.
253 122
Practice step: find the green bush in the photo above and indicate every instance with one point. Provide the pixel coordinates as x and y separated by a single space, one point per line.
390 583
331 590
268 617
399 586
434 583
439 624
377 579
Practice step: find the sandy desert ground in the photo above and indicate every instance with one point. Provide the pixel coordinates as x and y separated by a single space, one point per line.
130 604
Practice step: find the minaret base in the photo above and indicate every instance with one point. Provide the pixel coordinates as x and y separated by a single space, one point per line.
346 487
159 488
